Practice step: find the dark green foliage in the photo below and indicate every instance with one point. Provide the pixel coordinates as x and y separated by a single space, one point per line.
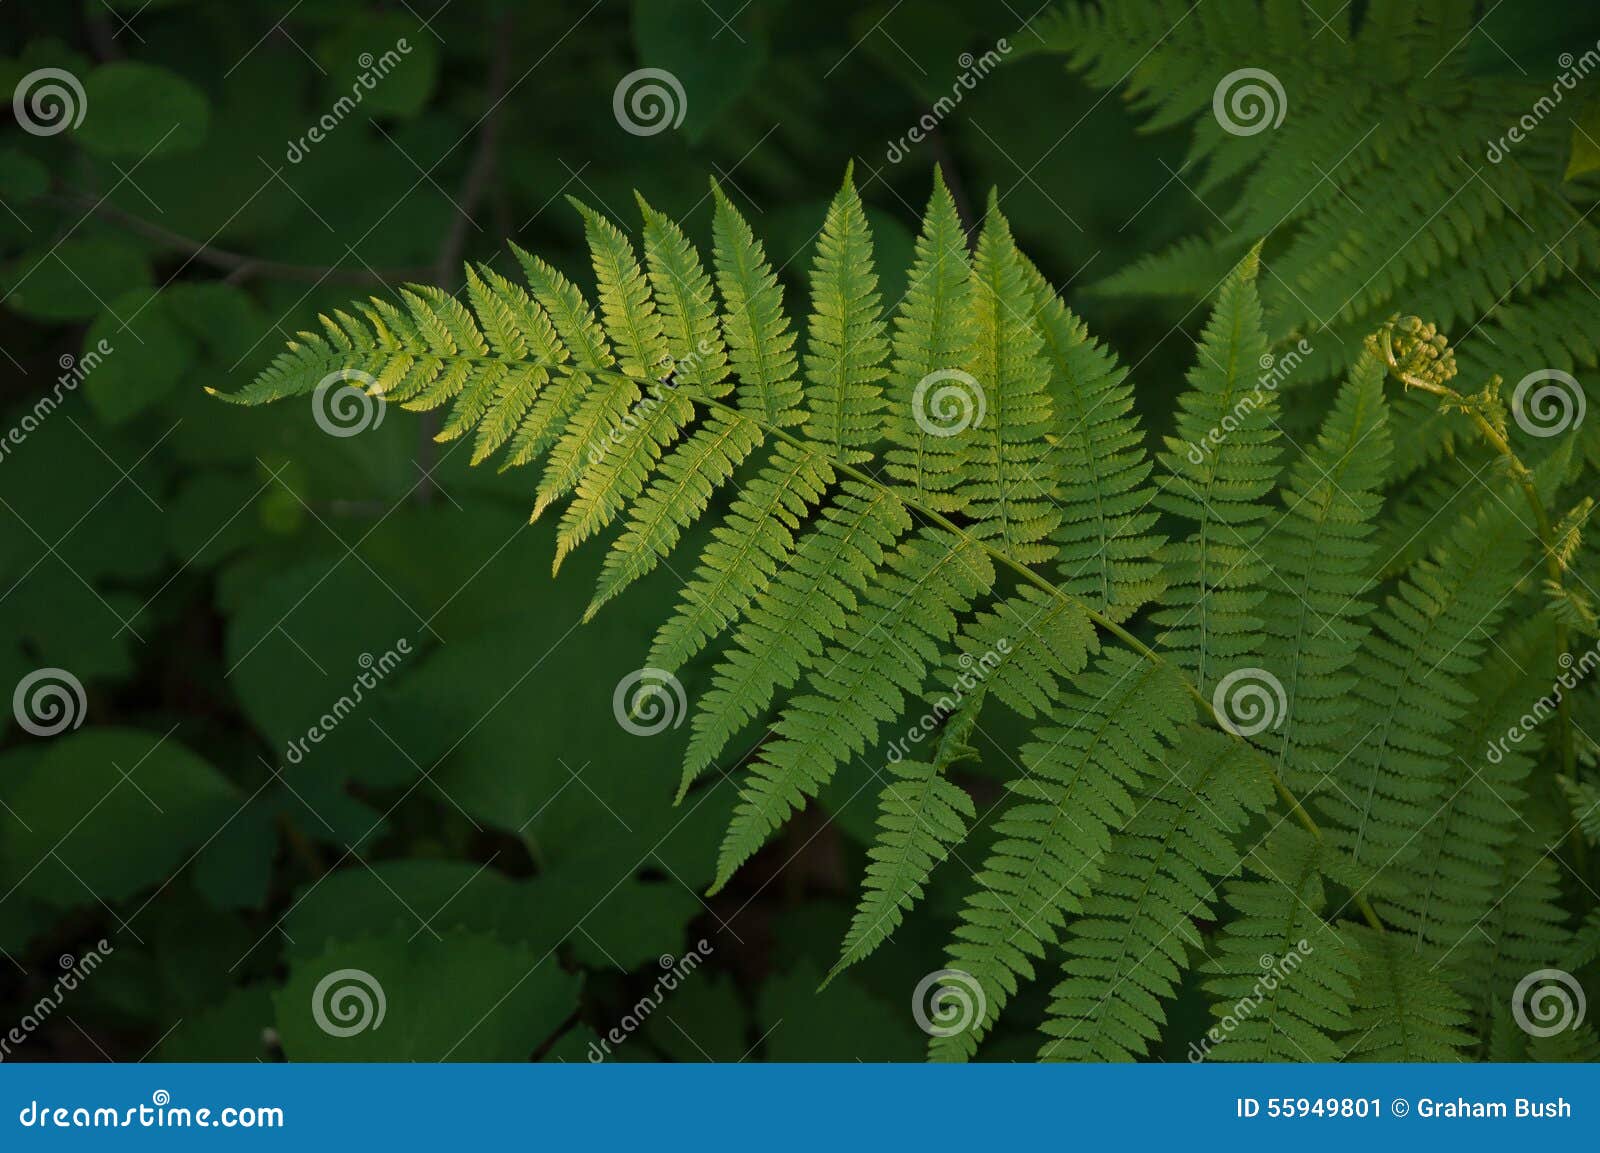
1231 695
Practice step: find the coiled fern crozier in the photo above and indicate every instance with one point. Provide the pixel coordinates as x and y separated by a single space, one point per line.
873 541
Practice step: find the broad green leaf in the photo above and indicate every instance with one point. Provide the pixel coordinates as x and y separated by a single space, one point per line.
72 280
143 793
463 997
379 65
148 354
140 110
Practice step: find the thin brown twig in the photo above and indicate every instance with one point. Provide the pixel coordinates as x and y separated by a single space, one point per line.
484 157
237 265
102 40
480 171
300 846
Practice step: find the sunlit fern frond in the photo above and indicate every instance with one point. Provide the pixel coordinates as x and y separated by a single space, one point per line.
909 520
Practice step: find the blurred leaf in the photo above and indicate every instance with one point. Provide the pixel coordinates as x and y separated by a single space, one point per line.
149 353
162 969
82 490
843 1023
1519 38
240 202
631 925
72 280
610 921
223 319
466 997
21 176
140 110
702 1020
716 50
921 45
396 897
211 517
109 812
379 66
235 871
234 1029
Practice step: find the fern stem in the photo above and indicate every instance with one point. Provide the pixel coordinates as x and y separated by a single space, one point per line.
1523 476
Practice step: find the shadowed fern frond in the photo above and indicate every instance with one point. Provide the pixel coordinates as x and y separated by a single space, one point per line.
1133 942
1403 1010
1379 167
1282 976
1427 639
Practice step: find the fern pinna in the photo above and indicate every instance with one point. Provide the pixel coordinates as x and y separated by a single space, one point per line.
954 488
